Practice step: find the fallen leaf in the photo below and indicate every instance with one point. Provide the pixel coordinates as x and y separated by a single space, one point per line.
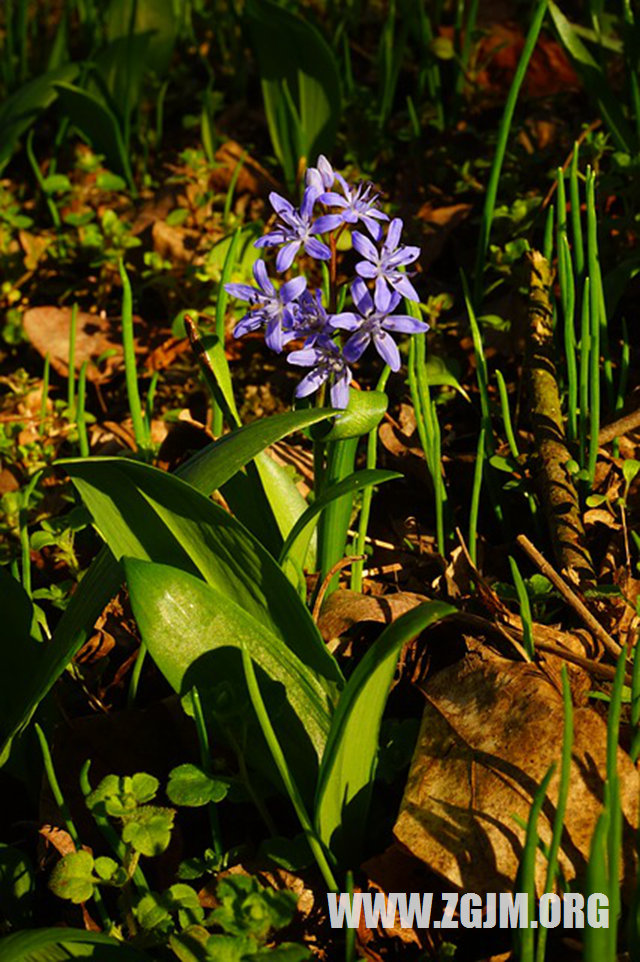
343 609
252 178
48 329
490 730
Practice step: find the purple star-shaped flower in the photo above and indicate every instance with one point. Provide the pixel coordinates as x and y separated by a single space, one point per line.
322 177
311 320
296 229
269 307
329 365
357 204
384 265
374 322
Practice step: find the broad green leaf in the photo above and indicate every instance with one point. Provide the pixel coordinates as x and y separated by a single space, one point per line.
596 82
363 413
155 17
148 829
300 84
150 515
297 541
195 635
439 373
283 497
19 111
207 471
348 765
60 944
72 877
189 785
17 886
99 125
122 65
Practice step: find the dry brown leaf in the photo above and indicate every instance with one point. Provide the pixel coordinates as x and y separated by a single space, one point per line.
440 222
48 329
491 729
344 609
252 179
61 840
175 244
34 246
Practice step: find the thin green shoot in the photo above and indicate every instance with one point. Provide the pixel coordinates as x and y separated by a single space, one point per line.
561 804
35 167
568 294
576 220
23 524
232 187
44 397
285 773
468 30
334 520
625 357
585 351
594 376
596 945
350 954
61 802
501 148
432 69
527 871
475 496
221 308
547 242
367 496
136 674
506 416
148 406
481 368
634 751
131 374
81 420
71 376
525 608
205 760
413 118
597 290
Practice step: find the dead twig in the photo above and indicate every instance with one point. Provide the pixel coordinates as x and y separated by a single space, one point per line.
338 566
624 425
569 596
557 490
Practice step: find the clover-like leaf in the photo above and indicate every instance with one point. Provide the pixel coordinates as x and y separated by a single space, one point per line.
183 899
228 948
105 868
144 787
72 878
190 786
248 908
286 952
152 912
148 829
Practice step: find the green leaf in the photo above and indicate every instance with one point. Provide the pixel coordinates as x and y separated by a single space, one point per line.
297 541
363 413
16 886
151 911
630 468
285 952
248 908
105 867
300 84
20 653
154 17
348 765
18 112
148 829
150 515
60 944
56 183
229 948
72 877
439 373
595 81
169 604
119 795
207 471
98 124
190 786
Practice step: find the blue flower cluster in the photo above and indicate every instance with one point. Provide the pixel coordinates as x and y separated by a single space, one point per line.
293 312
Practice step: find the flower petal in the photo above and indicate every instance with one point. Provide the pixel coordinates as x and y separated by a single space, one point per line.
404 324
262 278
292 289
366 269
244 292
356 345
361 296
372 226
250 322
317 249
387 349
331 199
311 382
346 321
305 357
393 234
326 223
280 204
286 254
403 285
340 390
308 200
364 247
403 256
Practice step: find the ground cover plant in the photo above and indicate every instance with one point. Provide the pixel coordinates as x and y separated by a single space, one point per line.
318 480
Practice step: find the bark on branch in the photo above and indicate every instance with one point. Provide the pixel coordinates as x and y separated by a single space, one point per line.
557 490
